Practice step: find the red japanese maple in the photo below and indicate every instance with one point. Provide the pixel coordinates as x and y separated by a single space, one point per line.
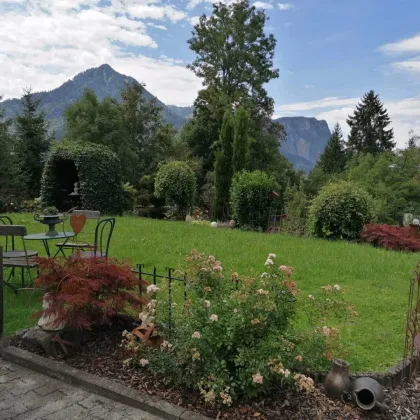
86 292
391 237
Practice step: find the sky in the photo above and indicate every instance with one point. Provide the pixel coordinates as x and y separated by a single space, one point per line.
329 52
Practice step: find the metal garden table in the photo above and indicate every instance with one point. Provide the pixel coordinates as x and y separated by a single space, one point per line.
45 238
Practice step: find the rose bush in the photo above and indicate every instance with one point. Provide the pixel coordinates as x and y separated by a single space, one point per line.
236 337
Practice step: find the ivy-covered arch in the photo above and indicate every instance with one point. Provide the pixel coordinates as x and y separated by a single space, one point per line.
95 167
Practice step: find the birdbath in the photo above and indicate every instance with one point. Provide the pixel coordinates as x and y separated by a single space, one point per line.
50 217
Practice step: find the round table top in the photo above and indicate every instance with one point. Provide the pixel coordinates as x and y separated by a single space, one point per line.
45 236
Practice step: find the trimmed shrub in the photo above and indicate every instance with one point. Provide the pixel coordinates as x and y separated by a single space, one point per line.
176 184
95 167
250 198
391 237
340 211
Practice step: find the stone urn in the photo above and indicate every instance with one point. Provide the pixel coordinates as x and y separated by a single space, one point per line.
51 220
337 381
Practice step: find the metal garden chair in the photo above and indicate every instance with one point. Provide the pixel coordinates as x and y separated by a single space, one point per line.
103 235
24 262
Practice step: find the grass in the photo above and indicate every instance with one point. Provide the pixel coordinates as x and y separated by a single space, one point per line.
377 280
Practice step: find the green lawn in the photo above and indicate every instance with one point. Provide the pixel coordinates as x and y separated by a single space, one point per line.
377 280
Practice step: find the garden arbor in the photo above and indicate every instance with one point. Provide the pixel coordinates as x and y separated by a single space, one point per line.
95 168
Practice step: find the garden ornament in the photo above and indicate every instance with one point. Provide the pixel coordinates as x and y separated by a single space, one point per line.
337 381
214 224
49 322
368 394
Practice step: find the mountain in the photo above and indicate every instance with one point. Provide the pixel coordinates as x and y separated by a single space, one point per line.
306 139
104 81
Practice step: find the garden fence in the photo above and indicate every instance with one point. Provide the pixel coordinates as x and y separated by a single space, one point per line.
177 283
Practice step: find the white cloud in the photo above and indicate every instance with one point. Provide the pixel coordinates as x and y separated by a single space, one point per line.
408 45
46 42
194 20
161 27
285 6
143 11
262 5
404 113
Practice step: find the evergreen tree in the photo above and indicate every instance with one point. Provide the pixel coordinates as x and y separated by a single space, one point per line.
33 142
413 140
223 168
10 179
334 158
368 127
240 159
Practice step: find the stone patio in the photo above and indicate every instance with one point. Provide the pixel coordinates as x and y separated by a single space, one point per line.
25 395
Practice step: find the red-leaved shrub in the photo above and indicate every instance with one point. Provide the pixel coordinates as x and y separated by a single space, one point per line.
391 237
86 292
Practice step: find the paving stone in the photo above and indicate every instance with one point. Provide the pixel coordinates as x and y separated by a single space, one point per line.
25 395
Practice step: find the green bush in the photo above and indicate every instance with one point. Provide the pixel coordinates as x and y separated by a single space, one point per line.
95 167
250 198
129 196
176 184
236 339
340 211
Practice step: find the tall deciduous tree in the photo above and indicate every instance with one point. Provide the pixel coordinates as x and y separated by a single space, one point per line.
223 170
334 158
234 59
33 142
369 133
240 158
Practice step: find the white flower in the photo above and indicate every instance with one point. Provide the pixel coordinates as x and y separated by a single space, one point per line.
337 287
286 373
152 288
269 262
311 297
196 334
166 344
326 331
143 362
264 275
207 303
214 318
272 256
235 311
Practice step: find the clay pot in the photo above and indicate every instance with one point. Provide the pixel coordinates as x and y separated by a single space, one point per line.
337 380
368 394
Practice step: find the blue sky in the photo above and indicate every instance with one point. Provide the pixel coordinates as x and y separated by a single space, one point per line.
329 52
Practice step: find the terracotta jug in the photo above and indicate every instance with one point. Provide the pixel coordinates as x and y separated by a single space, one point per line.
337 381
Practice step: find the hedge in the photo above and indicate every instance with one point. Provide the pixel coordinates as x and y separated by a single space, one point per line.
98 171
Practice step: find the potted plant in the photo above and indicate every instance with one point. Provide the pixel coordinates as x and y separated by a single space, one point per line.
50 216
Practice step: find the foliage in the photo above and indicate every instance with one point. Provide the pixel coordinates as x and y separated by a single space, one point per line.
12 181
132 129
334 157
33 142
392 179
368 132
391 237
226 44
340 211
296 210
98 172
50 211
250 198
223 168
129 196
237 343
85 292
175 182
240 158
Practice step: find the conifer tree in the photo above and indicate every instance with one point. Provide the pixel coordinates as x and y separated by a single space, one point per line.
240 159
334 157
223 167
33 142
369 133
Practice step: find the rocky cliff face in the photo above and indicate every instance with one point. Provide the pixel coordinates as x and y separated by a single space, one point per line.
306 140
